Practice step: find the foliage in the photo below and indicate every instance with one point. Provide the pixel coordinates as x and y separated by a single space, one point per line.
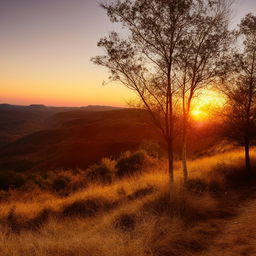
103 172
240 89
170 50
60 183
131 163
10 179
152 149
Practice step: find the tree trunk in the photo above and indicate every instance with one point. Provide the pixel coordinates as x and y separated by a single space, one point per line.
170 163
184 154
247 156
184 140
169 130
170 141
247 138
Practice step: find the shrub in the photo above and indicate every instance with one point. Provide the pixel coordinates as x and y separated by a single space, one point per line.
131 163
125 222
185 205
4 195
83 208
140 193
11 220
37 222
10 179
56 181
30 185
103 172
60 183
232 175
152 149
197 186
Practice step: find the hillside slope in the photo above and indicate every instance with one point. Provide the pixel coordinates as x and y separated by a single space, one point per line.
42 138
19 121
135 216
78 138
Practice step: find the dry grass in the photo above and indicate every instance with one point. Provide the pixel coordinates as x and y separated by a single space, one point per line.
133 216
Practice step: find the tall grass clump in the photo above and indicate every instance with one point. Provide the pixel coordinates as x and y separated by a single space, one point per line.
131 163
104 172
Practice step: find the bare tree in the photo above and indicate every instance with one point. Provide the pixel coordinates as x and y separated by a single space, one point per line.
201 55
144 59
240 88
150 56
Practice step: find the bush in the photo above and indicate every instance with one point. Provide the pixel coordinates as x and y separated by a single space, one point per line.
131 163
60 183
197 186
83 208
10 179
4 195
184 204
30 185
152 149
232 175
103 172
125 222
56 181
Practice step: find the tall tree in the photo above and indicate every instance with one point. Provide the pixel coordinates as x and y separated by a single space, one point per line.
240 89
201 55
149 56
144 59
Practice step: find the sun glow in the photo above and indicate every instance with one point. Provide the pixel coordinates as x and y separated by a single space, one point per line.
199 115
206 105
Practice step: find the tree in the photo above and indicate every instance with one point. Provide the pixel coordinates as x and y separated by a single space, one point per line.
144 60
149 56
240 89
201 55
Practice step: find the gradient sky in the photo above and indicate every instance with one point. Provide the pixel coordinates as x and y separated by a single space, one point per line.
45 51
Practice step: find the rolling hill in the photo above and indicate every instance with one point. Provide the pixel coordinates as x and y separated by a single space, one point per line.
57 138
42 138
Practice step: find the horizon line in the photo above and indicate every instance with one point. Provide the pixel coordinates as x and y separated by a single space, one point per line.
60 106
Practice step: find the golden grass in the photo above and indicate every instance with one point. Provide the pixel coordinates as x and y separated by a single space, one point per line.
137 224
29 204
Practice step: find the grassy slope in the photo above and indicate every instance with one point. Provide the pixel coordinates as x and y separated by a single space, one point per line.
129 217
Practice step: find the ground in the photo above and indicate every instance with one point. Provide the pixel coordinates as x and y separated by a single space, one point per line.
238 236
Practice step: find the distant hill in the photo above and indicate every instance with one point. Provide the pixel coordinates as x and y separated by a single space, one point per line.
17 121
72 139
38 138
58 109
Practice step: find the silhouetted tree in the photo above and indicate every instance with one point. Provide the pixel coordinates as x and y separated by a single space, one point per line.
144 59
150 53
201 55
240 88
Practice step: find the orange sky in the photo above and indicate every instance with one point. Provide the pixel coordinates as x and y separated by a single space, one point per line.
45 49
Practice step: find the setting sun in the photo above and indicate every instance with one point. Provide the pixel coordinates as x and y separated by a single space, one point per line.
199 115
205 106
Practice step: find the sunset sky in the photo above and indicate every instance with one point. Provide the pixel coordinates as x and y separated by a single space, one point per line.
45 51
